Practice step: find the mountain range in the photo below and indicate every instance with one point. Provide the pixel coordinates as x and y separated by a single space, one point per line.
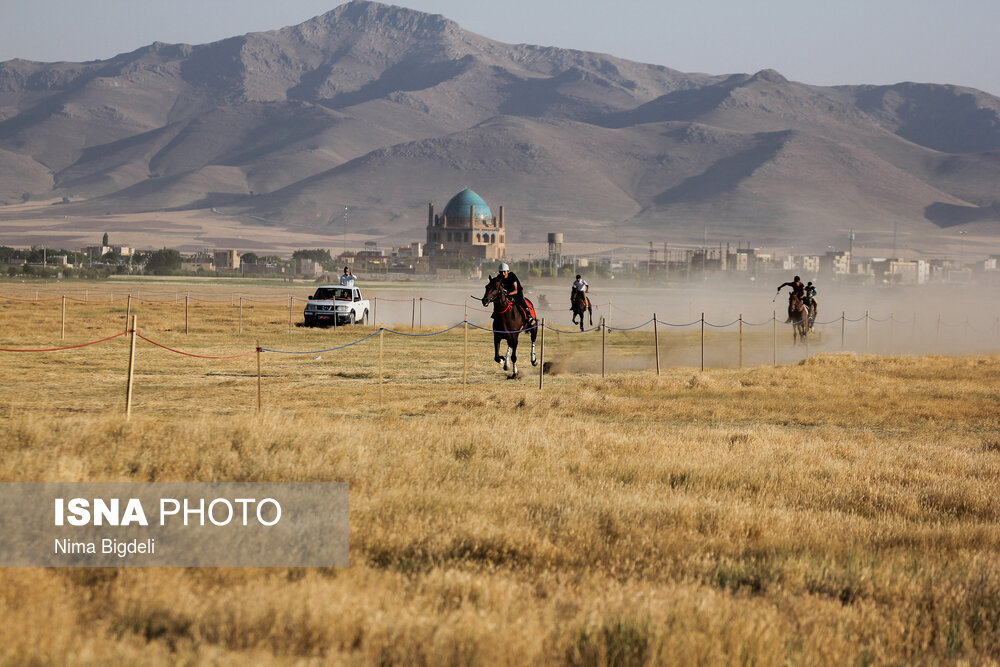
384 109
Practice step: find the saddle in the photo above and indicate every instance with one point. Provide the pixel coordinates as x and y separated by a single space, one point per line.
529 312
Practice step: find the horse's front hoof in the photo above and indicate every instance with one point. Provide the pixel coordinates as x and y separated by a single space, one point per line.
499 360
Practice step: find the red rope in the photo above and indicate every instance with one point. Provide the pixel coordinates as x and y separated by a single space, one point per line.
68 347
14 298
198 356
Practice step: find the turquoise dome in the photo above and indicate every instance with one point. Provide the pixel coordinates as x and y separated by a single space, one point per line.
458 206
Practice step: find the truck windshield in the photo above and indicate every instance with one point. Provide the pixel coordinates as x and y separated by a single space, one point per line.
333 293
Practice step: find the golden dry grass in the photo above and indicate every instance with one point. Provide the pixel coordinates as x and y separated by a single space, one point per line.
839 510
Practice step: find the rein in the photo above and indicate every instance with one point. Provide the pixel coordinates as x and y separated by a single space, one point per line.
496 302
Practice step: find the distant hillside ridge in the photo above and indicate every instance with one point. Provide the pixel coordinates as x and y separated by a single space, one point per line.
384 108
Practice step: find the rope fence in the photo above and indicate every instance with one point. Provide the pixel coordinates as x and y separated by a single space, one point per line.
653 323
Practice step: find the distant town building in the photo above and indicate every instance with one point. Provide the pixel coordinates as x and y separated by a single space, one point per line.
836 262
466 228
98 251
306 267
197 263
226 260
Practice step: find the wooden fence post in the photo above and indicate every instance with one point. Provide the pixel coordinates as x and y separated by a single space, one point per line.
259 396
541 357
867 332
421 312
62 330
656 344
241 316
741 340
604 331
131 371
703 342
843 324
375 313
774 338
187 298
380 336
465 349
290 306
413 312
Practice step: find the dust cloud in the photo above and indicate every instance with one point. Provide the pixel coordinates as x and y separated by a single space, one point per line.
932 319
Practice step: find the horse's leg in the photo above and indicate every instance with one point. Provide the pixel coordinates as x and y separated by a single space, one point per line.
496 349
590 312
512 353
534 334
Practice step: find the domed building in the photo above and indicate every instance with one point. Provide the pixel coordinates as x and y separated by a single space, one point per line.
466 228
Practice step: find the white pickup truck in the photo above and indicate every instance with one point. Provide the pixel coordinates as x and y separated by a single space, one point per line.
333 304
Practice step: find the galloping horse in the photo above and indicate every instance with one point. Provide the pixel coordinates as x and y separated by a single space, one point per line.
798 315
813 312
508 322
580 305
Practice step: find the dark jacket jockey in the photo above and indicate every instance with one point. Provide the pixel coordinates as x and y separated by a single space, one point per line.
515 290
798 290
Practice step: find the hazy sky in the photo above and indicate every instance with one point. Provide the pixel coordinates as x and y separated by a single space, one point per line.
825 43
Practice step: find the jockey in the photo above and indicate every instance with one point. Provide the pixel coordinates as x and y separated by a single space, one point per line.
810 297
513 287
579 285
798 289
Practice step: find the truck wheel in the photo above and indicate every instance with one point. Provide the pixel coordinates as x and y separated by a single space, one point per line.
350 317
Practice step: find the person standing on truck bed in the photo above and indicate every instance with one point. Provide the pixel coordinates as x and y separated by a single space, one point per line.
347 280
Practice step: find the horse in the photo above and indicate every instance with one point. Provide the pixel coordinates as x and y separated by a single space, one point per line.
813 312
508 322
798 315
579 305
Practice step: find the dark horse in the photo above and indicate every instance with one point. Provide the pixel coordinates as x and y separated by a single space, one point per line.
798 315
580 305
508 322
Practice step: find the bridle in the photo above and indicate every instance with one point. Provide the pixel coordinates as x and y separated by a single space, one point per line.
500 296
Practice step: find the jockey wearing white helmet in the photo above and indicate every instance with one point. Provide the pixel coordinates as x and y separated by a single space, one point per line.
513 287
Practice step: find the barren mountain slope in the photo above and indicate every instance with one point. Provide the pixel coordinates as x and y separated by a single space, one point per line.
384 109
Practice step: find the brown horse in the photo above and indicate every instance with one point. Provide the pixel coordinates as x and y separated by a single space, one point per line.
798 315
580 304
508 322
813 312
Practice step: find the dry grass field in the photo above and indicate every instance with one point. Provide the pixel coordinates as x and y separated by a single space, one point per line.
835 509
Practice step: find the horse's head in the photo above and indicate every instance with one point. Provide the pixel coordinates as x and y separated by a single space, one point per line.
494 291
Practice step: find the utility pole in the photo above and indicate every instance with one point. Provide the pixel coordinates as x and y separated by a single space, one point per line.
345 229
850 251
